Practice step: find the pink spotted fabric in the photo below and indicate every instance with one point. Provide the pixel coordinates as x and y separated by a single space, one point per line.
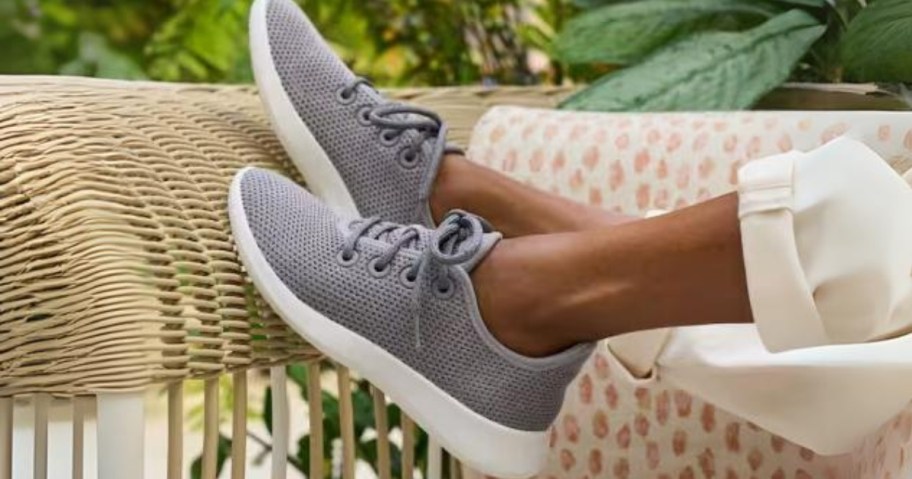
617 426
613 426
637 162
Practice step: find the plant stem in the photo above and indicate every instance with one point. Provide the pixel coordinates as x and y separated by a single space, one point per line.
268 446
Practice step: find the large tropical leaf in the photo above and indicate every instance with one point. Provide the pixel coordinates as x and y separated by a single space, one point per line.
878 43
806 3
595 3
626 32
584 4
710 71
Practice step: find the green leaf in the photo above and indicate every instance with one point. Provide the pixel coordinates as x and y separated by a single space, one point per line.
710 71
200 41
222 453
421 446
303 454
878 43
267 409
584 4
806 3
298 375
332 426
367 451
627 32
393 414
363 408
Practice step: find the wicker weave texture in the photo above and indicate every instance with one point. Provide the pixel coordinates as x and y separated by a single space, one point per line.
117 269
116 264
462 107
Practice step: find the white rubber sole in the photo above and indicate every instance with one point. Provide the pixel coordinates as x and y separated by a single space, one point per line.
480 443
323 180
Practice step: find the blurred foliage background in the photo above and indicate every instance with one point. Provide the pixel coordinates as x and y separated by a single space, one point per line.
635 55
394 42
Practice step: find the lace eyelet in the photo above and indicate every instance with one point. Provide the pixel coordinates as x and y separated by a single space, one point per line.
378 272
346 98
405 278
442 293
389 137
347 261
364 116
407 158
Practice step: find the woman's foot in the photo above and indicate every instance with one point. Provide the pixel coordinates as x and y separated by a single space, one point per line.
366 156
358 152
397 303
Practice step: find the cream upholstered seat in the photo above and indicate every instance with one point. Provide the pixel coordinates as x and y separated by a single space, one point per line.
117 269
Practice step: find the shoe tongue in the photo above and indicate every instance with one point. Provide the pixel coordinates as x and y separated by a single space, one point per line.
488 241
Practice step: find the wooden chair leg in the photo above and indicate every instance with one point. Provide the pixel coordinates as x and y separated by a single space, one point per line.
280 433
6 438
455 467
434 459
382 426
210 428
42 403
81 406
175 430
346 422
121 435
239 426
408 447
315 413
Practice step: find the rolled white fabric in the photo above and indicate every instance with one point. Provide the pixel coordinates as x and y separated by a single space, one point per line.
827 240
825 398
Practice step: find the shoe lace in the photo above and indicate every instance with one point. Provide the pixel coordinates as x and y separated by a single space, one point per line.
399 118
456 241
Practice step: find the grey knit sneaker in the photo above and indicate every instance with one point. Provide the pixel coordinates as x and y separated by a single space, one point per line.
396 303
358 152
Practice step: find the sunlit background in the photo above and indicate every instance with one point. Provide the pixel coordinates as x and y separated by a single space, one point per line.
395 42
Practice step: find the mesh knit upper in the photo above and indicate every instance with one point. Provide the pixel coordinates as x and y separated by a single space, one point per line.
301 238
312 76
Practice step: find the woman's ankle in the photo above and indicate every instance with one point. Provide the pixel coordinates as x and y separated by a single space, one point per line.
511 305
450 187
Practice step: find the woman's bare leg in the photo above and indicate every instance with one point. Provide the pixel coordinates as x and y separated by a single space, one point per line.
569 273
513 208
541 294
